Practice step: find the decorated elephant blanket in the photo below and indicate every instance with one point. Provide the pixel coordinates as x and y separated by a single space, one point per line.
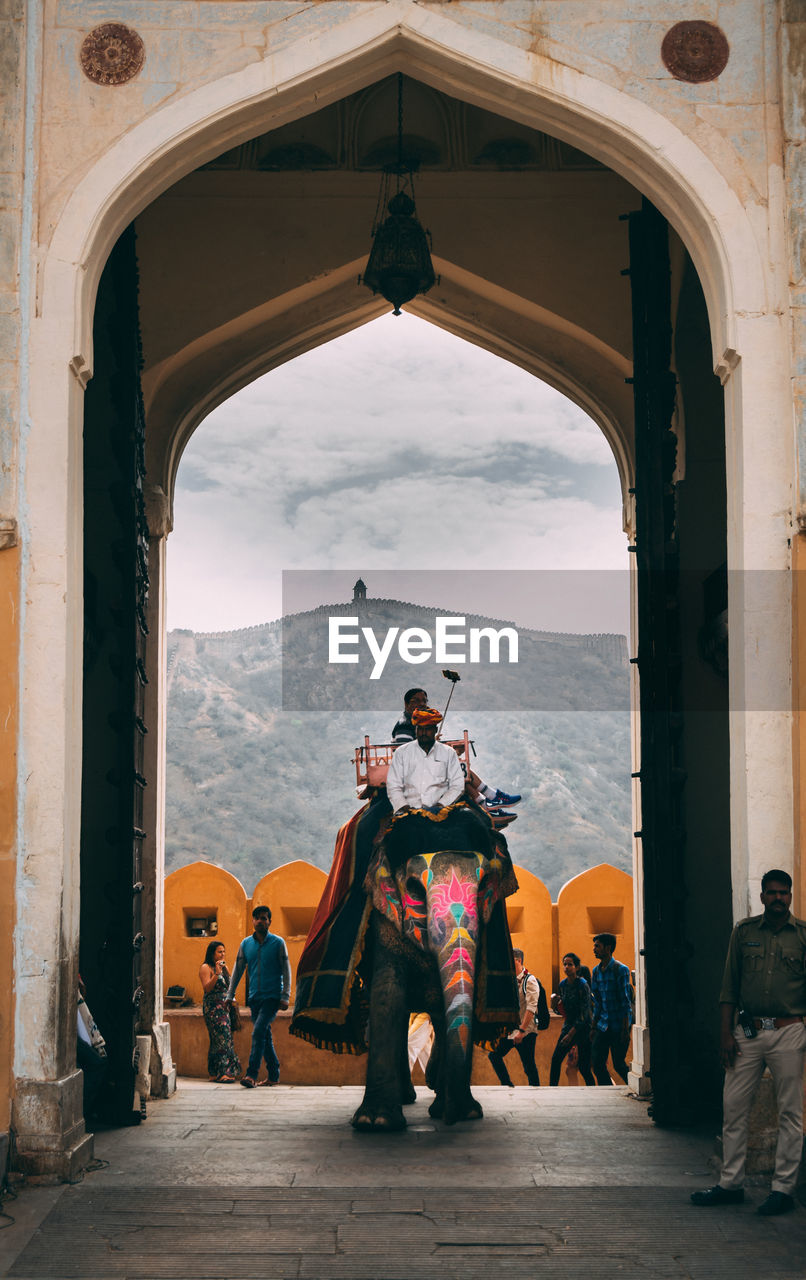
332 1001
333 974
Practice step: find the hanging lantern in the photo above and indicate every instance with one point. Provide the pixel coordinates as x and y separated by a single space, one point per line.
399 265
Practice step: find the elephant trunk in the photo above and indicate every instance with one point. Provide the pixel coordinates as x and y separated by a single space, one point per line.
453 930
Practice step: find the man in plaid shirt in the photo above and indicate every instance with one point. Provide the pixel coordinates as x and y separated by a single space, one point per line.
612 1010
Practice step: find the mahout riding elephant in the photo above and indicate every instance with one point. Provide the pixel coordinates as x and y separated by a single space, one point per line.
432 936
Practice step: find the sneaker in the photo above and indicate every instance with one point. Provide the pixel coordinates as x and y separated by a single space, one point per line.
776 1202
501 800
499 819
718 1195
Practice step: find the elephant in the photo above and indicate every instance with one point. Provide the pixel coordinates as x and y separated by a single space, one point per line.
428 938
412 919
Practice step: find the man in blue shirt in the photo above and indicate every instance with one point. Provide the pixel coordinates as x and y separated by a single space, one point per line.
612 1010
265 956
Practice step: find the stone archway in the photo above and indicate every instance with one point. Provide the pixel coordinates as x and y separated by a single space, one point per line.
204 375
746 333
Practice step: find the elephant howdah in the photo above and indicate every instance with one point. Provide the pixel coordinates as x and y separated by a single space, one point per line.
412 920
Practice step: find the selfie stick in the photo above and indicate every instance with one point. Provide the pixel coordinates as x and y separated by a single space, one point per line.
454 678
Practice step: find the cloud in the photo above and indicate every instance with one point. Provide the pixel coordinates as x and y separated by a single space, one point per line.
395 446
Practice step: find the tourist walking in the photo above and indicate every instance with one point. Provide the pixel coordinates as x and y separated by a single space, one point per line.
612 1010
265 956
223 1064
524 1037
575 997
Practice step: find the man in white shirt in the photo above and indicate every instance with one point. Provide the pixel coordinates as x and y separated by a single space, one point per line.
424 774
494 798
524 1037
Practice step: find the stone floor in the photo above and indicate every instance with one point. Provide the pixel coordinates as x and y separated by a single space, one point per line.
225 1184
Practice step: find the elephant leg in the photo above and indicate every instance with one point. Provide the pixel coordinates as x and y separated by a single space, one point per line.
450 1082
448 1076
381 1109
459 1101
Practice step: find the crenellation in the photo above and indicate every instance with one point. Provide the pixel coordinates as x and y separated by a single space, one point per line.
610 646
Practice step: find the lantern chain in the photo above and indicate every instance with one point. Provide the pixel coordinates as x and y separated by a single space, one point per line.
399 127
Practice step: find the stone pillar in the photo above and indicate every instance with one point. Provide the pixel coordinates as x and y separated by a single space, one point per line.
799 714
163 1071
760 465
639 1077
39 1099
763 651
50 1141
793 69
9 646
49 1138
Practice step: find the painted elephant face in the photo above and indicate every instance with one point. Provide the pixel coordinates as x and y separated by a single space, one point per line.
444 896
439 901
457 885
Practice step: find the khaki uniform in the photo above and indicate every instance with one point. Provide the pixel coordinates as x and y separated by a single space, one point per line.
765 974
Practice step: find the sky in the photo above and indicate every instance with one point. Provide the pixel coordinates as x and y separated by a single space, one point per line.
414 459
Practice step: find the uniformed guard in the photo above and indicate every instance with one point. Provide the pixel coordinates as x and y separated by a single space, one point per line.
762 1004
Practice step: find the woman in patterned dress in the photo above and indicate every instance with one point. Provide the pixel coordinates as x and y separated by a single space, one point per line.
222 1061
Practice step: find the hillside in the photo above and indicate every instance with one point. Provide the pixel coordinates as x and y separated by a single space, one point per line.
261 731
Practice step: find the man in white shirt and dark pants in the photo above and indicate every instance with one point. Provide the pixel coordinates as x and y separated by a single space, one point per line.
424 774
524 1037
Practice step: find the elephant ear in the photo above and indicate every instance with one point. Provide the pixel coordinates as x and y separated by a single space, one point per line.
491 890
383 890
400 899
415 911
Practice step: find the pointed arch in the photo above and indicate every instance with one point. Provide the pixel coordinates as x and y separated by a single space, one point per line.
744 289
196 380
627 135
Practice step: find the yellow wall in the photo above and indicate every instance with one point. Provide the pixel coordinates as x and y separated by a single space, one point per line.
596 901
9 648
303 1063
196 890
293 892
599 900
529 915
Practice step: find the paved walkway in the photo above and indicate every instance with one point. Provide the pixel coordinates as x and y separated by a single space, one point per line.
225 1184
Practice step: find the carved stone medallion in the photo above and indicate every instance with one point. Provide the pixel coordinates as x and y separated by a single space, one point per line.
695 51
112 54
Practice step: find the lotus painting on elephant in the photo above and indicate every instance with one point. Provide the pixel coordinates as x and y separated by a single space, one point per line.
431 936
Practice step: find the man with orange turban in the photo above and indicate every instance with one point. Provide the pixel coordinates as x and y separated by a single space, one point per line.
494 799
424 774
426 716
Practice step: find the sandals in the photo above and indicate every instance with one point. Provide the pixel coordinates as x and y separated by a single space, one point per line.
225 1079
247 1082
267 1083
